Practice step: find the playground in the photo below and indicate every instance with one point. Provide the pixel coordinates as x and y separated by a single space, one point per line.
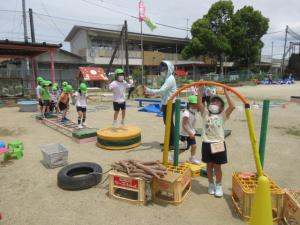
29 192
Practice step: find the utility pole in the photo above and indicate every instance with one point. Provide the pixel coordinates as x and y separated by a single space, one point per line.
33 61
142 51
283 57
272 55
24 21
31 26
126 49
187 28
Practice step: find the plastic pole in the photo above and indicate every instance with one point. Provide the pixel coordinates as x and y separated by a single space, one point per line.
167 132
176 132
253 140
263 131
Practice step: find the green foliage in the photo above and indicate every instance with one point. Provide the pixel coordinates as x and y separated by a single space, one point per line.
221 32
248 27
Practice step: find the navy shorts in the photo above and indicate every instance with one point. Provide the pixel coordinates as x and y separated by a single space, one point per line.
40 102
118 106
46 102
62 106
81 109
188 140
217 158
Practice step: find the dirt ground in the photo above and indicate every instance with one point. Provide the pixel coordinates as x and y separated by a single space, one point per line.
29 194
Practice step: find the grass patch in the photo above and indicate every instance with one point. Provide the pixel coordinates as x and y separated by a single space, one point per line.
4 132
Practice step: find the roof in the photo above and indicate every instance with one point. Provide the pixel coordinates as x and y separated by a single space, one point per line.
19 49
92 73
131 35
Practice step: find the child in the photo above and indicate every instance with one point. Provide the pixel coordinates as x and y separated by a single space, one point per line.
213 145
38 93
54 95
118 87
45 96
187 131
63 101
81 104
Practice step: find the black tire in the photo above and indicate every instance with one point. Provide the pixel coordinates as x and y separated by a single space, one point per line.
68 179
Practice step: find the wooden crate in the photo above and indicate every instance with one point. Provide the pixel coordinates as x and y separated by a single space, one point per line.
291 212
174 187
126 188
243 191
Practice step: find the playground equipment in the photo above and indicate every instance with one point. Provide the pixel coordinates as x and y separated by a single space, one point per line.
263 131
122 138
295 99
263 189
15 150
69 128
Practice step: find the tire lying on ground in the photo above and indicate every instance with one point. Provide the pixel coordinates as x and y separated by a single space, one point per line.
79 176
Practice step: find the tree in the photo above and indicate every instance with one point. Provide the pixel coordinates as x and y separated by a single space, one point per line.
210 33
221 32
248 27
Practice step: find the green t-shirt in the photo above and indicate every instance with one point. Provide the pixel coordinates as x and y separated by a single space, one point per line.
45 94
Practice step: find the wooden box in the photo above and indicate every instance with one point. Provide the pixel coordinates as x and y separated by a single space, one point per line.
174 187
243 191
126 188
291 212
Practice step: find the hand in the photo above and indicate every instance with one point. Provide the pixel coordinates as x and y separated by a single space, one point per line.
192 136
225 91
200 89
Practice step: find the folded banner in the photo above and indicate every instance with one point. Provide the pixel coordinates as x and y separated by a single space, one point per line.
150 24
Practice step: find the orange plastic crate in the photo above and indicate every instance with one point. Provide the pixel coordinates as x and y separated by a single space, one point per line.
243 191
174 187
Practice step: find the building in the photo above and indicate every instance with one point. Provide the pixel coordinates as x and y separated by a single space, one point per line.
96 45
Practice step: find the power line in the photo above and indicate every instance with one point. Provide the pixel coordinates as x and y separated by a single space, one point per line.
45 9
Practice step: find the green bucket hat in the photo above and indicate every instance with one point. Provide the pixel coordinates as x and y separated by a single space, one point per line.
193 99
119 71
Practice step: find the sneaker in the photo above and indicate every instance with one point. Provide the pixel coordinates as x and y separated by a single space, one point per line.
193 160
115 124
123 123
219 191
80 126
84 124
211 188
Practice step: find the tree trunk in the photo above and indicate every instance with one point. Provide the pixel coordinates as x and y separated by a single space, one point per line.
222 56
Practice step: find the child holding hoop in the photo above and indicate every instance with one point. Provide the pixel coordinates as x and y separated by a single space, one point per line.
214 151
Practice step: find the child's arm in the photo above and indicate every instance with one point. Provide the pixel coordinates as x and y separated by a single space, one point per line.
111 85
185 121
231 105
199 100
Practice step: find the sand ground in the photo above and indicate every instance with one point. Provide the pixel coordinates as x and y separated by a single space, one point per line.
29 194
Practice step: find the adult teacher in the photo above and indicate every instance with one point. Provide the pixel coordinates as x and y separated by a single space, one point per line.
166 69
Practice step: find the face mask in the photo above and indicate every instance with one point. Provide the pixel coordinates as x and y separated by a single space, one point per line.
163 73
120 78
214 109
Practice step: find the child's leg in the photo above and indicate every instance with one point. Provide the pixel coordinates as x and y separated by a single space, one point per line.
116 115
210 177
79 117
193 150
218 171
83 117
123 114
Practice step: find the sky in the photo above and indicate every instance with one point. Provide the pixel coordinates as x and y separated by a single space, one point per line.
54 19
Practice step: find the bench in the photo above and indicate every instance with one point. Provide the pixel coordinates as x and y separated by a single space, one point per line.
141 100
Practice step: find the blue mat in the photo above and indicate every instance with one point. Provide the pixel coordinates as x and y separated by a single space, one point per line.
151 108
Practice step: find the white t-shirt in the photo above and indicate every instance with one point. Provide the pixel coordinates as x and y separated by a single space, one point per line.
213 127
81 99
191 122
38 91
118 89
